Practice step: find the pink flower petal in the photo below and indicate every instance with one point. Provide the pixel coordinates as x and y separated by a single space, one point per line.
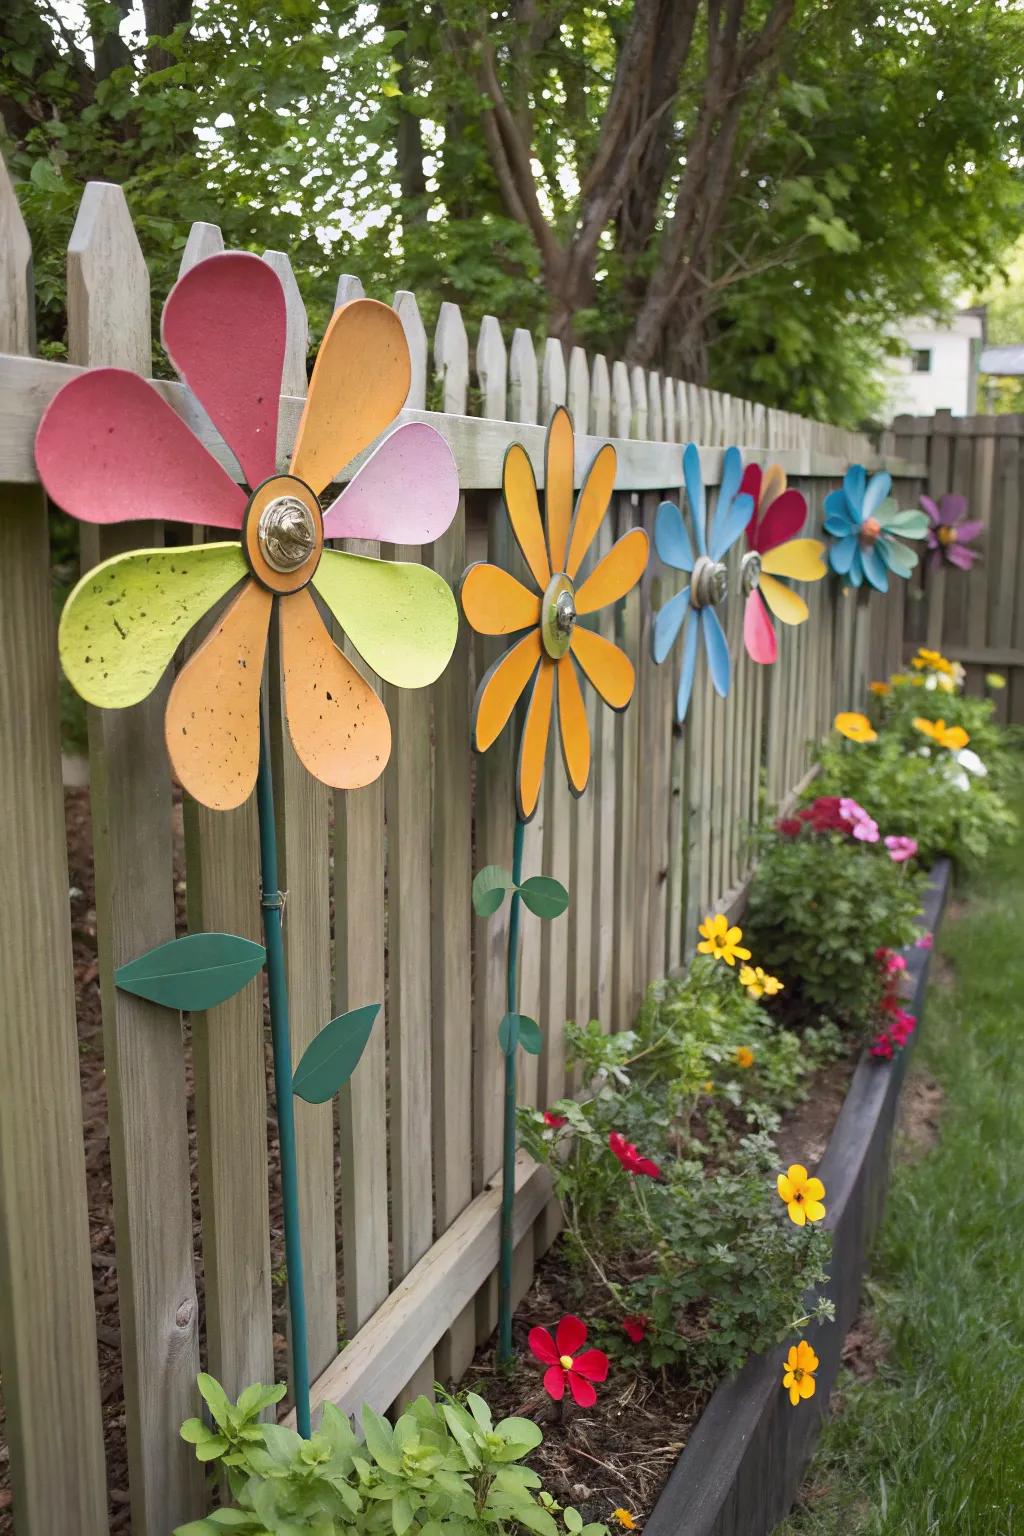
932 510
968 531
759 631
570 1334
542 1346
554 1382
963 558
224 328
407 492
783 520
110 450
952 507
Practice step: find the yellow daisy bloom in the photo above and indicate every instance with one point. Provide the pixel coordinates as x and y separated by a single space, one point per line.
744 1056
720 940
881 689
624 1518
931 661
757 983
802 1194
952 736
798 1372
854 726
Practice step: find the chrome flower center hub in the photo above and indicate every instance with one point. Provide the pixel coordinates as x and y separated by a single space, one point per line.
558 616
750 572
710 582
286 533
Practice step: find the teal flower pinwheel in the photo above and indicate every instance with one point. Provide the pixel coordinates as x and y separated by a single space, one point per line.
863 520
693 608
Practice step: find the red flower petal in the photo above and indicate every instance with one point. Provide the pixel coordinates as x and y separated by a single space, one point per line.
554 1382
783 520
645 1166
635 1328
582 1391
750 485
593 1364
542 1346
570 1335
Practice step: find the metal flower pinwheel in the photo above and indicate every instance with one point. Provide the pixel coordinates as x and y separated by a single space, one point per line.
110 449
864 522
774 551
543 664
950 532
692 609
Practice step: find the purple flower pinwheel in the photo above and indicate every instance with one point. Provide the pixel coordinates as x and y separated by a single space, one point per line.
951 532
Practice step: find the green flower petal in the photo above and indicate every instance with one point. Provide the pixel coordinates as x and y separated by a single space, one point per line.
898 557
400 617
910 524
126 617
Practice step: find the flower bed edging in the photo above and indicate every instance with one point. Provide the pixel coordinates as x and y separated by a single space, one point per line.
743 1464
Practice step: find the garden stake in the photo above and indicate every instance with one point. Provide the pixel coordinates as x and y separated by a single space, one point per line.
272 903
508 1169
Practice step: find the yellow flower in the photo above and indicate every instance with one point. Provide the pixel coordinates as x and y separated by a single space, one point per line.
798 1372
931 661
720 940
803 1195
708 1087
854 726
757 983
946 684
917 681
952 736
624 1518
880 688
897 678
744 1056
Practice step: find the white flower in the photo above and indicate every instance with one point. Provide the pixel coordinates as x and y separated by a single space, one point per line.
971 761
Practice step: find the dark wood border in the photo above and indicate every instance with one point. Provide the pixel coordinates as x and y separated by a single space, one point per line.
744 1462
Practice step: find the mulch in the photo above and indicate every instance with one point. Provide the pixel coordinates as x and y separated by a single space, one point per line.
615 1455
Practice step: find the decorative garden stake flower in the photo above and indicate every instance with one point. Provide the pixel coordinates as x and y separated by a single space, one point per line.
773 550
721 940
864 520
630 1158
901 848
953 737
565 1365
855 726
694 606
802 1194
550 650
757 982
949 534
110 449
744 1057
798 1372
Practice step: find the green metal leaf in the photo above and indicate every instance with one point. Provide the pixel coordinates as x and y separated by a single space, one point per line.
329 1061
544 896
529 1035
489 887
198 971
508 1032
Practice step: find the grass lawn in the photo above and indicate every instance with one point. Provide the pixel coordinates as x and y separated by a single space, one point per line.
935 1441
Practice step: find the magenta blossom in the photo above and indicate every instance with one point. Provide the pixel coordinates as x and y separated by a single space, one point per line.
950 533
926 941
865 828
901 848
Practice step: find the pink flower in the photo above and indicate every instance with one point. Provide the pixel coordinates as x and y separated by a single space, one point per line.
926 941
901 848
565 1365
865 829
635 1327
882 1048
554 1121
630 1158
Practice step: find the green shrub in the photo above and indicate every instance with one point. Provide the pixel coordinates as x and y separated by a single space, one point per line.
444 1469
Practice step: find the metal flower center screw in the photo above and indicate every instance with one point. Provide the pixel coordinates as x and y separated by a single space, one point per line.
286 533
558 616
710 582
750 571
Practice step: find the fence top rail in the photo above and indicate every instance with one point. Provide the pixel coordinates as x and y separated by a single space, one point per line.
28 384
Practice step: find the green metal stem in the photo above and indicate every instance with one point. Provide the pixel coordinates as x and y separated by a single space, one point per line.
277 987
508 1167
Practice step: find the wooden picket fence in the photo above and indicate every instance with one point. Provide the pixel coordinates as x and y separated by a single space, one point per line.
378 906
976 617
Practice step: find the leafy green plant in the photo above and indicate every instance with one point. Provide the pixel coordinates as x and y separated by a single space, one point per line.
443 1469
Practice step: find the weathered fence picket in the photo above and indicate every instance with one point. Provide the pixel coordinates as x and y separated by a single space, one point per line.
378 902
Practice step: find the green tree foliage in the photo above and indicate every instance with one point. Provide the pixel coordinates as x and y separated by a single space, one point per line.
743 191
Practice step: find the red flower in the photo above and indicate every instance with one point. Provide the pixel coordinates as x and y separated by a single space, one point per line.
565 1365
789 826
554 1121
635 1328
882 1047
630 1158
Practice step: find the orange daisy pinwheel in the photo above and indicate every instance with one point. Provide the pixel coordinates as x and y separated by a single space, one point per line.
552 647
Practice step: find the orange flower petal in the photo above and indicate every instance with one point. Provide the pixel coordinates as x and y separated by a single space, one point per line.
616 574
573 727
212 723
609 670
495 603
591 506
359 384
773 483
558 476
520 487
501 689
339 728
534 743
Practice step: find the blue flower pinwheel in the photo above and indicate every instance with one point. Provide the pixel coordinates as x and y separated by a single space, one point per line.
693 608
863 520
